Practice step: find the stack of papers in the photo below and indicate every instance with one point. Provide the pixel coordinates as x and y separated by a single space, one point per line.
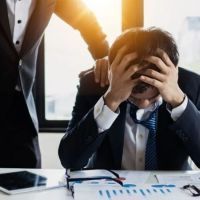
134 186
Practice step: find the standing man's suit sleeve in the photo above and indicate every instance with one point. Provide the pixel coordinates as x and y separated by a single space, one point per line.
82 138
76 14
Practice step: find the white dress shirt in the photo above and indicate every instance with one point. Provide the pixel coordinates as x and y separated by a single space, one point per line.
136 135
19 12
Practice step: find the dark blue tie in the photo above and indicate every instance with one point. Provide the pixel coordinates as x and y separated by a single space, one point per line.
151 124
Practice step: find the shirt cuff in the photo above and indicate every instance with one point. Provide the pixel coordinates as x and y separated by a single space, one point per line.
178 111
104 116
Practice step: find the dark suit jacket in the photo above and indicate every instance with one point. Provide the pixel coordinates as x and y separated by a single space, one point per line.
21 67
176 141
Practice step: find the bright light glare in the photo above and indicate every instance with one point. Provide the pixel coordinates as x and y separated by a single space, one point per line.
66 55
108 13
96 5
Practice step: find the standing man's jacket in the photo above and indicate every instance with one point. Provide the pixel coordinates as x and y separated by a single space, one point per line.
20 68
176 141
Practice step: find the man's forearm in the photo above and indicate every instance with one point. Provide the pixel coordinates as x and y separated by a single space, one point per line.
77 14
187 129
80 142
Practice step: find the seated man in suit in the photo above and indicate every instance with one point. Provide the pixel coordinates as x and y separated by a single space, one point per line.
146 119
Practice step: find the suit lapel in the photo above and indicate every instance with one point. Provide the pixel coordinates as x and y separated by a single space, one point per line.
117 136
37 24
5 25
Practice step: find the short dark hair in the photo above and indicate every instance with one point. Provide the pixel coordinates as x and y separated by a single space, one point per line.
145 42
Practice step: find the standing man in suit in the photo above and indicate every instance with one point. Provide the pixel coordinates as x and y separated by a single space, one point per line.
147 119
22 24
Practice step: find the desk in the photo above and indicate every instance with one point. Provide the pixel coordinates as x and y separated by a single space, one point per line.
61 193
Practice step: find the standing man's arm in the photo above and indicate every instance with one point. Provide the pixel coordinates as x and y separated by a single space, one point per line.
77 14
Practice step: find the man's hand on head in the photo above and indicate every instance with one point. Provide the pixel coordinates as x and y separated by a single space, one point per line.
120 78
165 79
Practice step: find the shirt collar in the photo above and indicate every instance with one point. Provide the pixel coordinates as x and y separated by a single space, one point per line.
144 113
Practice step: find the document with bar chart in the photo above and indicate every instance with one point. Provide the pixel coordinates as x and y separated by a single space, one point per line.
115 192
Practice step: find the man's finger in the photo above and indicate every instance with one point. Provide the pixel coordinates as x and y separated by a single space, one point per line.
127 59
154 74
158 63
97 71
164 57
104 72
151 81
119 56
132 70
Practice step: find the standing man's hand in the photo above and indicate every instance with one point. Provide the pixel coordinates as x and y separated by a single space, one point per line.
165 79
101 71
120 79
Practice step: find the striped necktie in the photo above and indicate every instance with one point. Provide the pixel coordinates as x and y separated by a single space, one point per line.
151 124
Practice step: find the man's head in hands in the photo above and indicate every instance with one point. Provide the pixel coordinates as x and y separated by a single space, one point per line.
143 50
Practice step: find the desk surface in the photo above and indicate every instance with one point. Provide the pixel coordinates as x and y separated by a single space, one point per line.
61 193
